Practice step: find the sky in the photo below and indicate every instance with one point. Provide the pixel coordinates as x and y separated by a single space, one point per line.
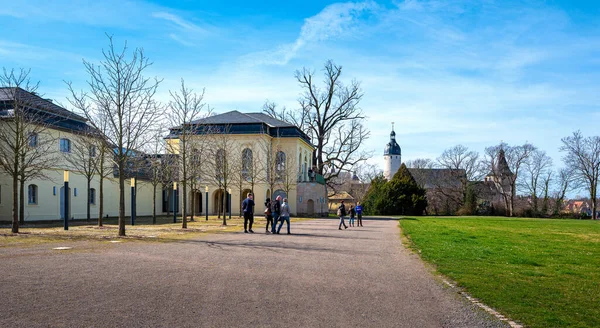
446 72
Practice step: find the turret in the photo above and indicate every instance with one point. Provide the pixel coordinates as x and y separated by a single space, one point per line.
392 155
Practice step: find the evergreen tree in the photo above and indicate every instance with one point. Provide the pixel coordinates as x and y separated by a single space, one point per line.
401 195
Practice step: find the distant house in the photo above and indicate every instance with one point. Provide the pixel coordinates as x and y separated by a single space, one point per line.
335 199
444 188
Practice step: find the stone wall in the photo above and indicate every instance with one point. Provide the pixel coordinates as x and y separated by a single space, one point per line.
311 199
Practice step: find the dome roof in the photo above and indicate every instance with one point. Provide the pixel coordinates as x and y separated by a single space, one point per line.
392 148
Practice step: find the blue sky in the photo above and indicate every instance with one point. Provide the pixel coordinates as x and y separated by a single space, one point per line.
447 72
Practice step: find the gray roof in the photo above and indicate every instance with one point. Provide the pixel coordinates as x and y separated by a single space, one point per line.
236 117
37 102
438 178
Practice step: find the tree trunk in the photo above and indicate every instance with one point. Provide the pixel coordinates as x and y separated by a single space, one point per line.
154 204
22 202
88 200
15 207
101 205
121 200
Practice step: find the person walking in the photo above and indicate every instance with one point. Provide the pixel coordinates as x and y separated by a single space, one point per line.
276 211
359 210
285 216
248 209
352 215
268 215
341 212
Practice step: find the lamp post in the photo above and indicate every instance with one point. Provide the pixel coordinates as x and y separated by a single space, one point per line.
132 201
66 199
174 202
206 205
229 203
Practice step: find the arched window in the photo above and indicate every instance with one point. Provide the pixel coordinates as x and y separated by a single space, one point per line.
65 145
220 163
92 151
32 194
33 139
92 196
247 163
280 162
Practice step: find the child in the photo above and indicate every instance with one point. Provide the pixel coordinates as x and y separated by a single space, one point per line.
352 214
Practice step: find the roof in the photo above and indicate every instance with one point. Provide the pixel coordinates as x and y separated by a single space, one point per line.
37 102
392 147
438 178
502 167
236 117
341 196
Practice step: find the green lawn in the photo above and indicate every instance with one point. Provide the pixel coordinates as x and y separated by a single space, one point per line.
542 273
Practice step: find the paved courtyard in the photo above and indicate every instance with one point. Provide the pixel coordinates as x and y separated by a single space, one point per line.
316 277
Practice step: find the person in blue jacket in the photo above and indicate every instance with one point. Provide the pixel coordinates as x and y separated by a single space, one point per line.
359 210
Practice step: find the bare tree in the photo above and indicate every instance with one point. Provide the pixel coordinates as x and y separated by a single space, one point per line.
84 158
583 158
535 170
506 162
120 93
420 163
156 164
365 173
332 118
268 148
288 173
220 150
464 166
25 142
185 107
564 185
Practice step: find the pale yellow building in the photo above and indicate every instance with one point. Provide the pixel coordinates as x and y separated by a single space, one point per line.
61 140
273 158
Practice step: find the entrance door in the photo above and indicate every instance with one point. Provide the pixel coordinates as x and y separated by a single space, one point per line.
310 207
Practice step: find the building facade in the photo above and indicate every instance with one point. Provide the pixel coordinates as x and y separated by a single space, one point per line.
63 135
240 153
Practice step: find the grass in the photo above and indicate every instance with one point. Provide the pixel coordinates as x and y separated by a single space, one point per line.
542 273
163 230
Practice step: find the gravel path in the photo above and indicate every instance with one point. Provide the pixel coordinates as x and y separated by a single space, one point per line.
316 277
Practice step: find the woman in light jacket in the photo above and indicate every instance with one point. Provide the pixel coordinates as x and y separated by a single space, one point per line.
285 215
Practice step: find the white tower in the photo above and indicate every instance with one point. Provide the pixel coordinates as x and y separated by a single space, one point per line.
392 156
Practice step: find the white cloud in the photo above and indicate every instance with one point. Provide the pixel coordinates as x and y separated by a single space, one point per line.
333 21
178 21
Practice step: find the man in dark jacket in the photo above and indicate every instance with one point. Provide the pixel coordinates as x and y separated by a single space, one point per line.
276 211
248 209
341 212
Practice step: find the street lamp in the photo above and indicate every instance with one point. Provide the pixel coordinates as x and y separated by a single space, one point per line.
174 202
206 205
132 201
66 199
229 203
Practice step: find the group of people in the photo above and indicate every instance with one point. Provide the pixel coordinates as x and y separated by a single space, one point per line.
355 212
277 210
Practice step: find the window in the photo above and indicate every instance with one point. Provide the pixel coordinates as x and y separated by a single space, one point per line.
54 191
92 151
75 192
247 163
32 193
93 196
280 164
65 145
33 140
